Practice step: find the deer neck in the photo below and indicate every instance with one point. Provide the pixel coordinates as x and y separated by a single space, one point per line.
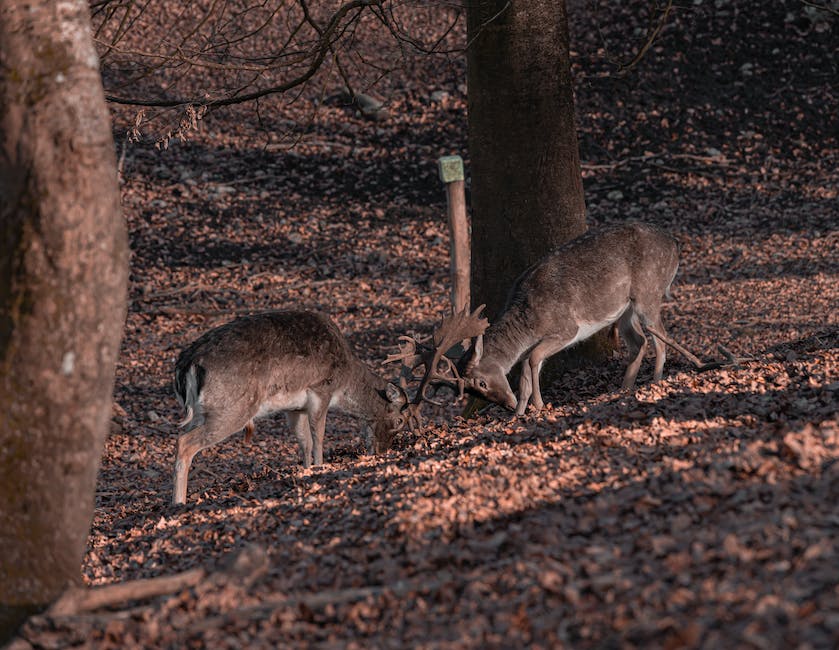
363 393
507 340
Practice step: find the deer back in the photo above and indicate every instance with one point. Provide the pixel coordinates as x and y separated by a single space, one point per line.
259 357
592 275
584 284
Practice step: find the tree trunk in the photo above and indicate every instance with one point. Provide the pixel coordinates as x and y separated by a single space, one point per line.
527 192
63 272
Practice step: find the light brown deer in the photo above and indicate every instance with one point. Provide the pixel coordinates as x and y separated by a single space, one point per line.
292 361
613 277
618 275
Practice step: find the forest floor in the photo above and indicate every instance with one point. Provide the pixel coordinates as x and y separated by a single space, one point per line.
699 512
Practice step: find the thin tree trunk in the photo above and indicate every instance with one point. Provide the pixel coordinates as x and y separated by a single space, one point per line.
63 272
527 192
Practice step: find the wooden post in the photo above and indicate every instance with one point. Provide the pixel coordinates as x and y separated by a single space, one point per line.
451 173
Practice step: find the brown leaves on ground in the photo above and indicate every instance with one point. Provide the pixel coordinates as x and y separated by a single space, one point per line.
699 512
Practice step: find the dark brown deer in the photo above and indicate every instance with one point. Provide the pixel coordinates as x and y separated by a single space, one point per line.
292 361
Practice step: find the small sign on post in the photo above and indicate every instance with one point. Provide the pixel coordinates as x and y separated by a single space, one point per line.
451 173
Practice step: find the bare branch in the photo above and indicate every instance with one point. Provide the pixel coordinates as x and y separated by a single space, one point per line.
491 19
821 7
323 45
653 33
399 33
81 599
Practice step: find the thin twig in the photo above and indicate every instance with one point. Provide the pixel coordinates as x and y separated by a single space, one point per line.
700 365
623 68
330 33
192 286
835 12
710 160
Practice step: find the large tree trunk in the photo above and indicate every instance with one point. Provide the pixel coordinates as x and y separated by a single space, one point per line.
63 272
527 192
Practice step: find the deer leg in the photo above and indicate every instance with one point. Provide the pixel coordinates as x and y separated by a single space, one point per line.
525 387
249 427
544 350
317 423
298 421
660 348
614 335
189 444
369 439
636 341
535 371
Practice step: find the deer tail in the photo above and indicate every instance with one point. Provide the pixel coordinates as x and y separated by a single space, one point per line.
188 384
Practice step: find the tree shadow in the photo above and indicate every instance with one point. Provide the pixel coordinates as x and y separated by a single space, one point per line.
632 528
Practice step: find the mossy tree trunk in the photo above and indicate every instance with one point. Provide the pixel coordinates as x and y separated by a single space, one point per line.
63 273
527 192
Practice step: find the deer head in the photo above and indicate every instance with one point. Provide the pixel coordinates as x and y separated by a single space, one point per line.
439 367
488 380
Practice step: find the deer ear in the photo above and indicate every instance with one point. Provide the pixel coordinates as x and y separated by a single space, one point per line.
477 352
395 394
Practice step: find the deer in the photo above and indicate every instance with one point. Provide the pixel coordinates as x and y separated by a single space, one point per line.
613 277
296 362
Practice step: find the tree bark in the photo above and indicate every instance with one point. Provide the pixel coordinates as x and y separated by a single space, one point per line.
63 273
527 192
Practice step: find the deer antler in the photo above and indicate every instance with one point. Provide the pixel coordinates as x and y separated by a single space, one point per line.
439 368
409 357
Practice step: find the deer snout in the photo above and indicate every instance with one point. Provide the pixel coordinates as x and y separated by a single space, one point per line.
493 387
511 402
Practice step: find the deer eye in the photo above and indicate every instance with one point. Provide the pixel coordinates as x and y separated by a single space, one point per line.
482 384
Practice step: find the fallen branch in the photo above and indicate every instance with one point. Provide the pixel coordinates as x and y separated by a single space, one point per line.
192 286
710 160
174 310
730 359
242 566
77 600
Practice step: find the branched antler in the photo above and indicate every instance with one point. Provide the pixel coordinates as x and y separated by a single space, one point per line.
440 369
408 356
